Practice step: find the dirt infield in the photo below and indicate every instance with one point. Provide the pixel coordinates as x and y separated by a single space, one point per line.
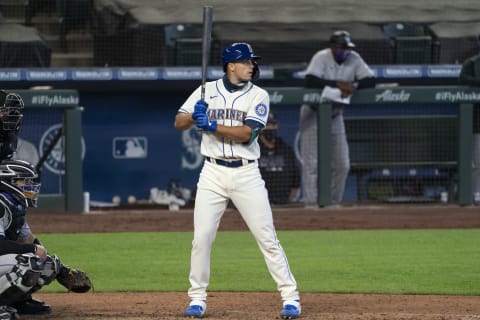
227 305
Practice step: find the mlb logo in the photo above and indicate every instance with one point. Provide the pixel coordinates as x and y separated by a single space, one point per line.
129 147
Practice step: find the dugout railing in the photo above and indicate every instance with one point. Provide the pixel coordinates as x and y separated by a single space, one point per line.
67 143
456 153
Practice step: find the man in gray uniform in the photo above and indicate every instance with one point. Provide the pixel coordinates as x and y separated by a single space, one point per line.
337 67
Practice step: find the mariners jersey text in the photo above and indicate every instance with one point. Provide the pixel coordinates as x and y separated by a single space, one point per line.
230 109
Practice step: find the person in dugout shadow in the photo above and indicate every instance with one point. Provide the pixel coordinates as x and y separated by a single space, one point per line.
11 105
278 165
470 76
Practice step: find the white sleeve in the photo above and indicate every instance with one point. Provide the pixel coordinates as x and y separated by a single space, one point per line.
260 106
316 65
363 70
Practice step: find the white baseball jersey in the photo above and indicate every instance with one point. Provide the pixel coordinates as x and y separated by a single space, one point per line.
324 66
230 109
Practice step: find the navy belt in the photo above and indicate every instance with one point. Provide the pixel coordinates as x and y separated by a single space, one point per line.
230 164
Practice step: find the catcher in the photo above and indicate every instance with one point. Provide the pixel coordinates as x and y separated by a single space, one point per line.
25 264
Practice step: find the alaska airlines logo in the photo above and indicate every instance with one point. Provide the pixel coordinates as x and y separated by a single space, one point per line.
276 97
391 96
55 161
312 97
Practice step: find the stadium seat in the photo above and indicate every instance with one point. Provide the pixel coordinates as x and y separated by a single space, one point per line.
73 14
183 44
411 43
32 7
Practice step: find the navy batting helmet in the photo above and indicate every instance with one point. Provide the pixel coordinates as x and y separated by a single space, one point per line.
240 51
237 52
341 39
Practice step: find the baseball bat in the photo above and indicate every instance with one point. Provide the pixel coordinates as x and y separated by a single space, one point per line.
206 40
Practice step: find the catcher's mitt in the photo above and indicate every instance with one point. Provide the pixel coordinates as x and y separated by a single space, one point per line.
74 280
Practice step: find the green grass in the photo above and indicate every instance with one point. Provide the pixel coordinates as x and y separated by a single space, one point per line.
381 261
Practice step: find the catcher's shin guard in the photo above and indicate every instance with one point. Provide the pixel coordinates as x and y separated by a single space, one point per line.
22 277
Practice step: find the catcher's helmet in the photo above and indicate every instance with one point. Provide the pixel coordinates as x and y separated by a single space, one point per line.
237 52
20 179
341 39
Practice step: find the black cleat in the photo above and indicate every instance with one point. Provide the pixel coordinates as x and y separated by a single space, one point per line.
8 313
32 306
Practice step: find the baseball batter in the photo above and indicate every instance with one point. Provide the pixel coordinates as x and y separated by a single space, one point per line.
231 117
339 67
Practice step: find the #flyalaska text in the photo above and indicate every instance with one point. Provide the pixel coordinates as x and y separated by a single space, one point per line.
50 100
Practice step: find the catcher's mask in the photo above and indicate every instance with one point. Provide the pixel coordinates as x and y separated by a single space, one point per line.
20 179
10 113
241 51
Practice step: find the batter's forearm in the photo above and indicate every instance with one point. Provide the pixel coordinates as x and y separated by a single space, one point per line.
183 121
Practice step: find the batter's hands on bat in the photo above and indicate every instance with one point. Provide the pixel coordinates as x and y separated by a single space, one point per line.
204 122
199 109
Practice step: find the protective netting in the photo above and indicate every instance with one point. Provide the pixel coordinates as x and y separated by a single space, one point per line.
406 157
395 157
61 33
38 144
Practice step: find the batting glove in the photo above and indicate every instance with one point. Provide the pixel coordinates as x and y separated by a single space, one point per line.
204 122
200 108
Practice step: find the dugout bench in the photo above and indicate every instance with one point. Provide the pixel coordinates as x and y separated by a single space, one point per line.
367 150
401 147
